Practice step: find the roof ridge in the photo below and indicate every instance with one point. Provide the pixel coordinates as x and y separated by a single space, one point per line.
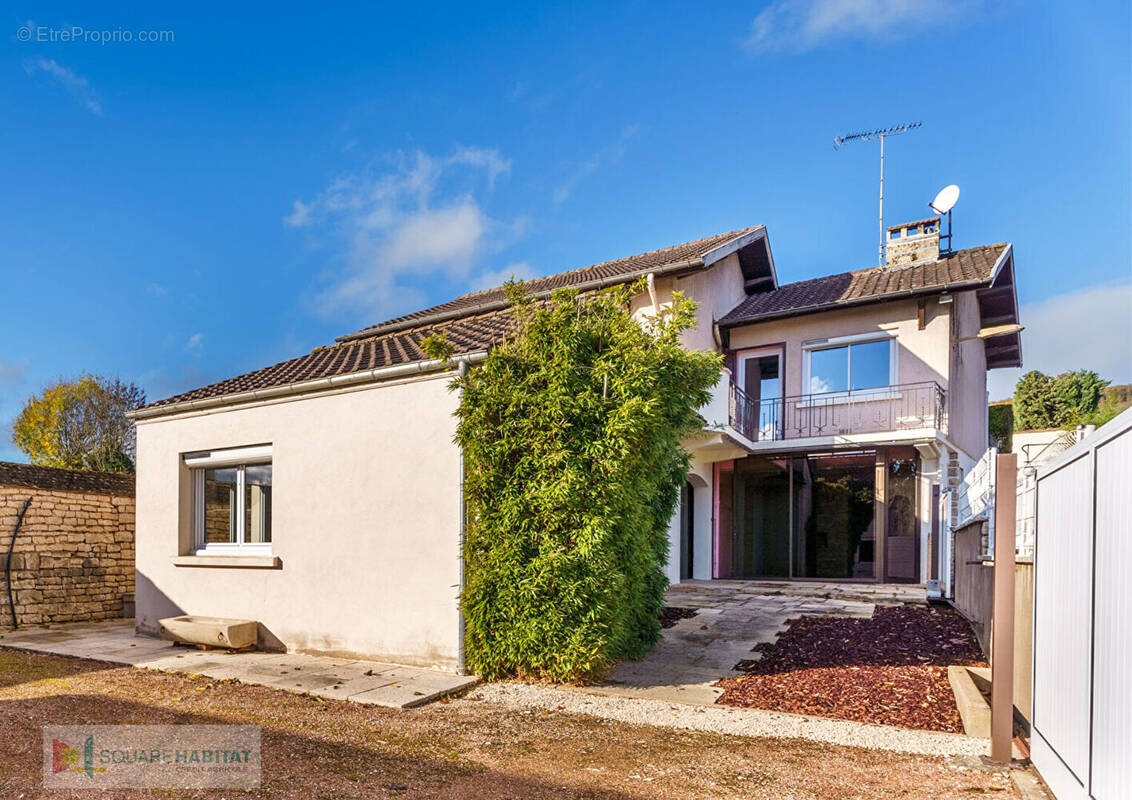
883 268
729 234
723 238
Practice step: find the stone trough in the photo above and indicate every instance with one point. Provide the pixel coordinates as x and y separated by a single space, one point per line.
233 634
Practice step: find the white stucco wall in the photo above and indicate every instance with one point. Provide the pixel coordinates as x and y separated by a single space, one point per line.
716 290
365 521
700 476
967 400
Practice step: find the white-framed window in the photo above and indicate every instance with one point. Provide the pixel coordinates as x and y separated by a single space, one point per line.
850 365
231 501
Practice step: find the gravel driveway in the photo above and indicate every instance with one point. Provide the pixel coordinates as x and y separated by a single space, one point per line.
319 749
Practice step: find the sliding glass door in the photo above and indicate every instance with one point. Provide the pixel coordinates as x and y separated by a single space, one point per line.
815 516
761 518
902 526
834 531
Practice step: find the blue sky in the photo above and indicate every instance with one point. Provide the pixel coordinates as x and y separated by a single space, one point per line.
182 211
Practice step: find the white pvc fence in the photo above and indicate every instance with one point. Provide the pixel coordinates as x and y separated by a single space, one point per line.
975 495
1082 712
1026 518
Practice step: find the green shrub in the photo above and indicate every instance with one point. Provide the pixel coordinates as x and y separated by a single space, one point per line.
1042 402
1001 421
571 436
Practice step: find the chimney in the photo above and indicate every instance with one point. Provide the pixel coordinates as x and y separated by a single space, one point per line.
910 242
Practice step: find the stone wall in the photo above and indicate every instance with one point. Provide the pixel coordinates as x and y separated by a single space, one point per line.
73 558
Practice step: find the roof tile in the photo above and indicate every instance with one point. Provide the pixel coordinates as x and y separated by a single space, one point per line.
972 266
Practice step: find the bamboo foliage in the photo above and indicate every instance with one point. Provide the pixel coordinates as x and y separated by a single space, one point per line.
571 437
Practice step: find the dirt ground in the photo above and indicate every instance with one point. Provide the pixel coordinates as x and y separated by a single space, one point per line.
320 749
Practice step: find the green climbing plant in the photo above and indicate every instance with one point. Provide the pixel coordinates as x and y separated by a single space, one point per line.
571 434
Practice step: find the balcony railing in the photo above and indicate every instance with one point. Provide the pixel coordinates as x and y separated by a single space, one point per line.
891 408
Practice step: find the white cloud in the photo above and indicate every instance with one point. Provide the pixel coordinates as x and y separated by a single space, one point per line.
448 236
195 344
300 215
157 290
799 25
489 160
1087 329
76 84
401 218
519 270
607 155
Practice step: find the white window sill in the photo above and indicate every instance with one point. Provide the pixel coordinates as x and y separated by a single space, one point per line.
247 562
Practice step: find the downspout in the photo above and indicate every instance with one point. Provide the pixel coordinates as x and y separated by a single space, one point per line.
8 563
461 665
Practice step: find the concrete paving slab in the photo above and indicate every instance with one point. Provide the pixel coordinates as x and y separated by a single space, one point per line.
414 691
302 682
734 616
346 689
370 682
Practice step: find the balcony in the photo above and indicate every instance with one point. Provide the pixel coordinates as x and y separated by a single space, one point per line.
908 406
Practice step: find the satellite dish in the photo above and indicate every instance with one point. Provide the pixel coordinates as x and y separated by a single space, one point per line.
945 200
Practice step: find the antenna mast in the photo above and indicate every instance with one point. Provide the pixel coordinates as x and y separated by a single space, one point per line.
865 136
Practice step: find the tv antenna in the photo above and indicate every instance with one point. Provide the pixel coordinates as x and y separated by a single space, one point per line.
882 134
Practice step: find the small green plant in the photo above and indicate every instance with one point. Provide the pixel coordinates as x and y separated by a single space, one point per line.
571 436
436 346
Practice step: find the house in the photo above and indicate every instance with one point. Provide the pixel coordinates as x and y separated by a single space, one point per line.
322 496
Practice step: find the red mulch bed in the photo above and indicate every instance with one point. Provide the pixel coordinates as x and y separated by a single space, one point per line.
889 669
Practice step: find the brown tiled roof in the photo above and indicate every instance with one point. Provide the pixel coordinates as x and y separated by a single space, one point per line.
467 335
971 268
468 332
607 269
68 480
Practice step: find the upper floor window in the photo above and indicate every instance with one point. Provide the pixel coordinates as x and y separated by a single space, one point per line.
231 505
849 364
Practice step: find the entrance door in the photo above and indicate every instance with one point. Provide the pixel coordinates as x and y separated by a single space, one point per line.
687 530
760 375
